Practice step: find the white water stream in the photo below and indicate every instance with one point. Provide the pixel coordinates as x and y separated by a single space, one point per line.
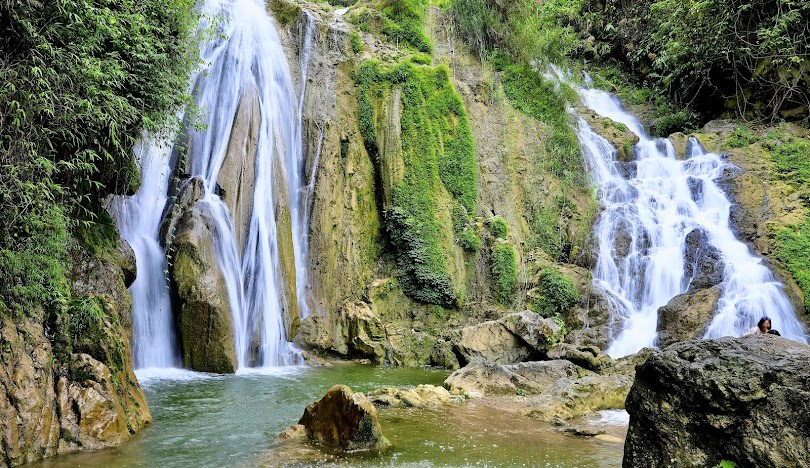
650 206
244 52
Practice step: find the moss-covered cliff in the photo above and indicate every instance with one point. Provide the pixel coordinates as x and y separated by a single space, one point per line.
443 186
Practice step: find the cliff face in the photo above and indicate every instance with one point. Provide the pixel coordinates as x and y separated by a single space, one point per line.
359 141
66 378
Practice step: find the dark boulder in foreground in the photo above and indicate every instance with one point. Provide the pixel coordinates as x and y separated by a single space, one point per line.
344 420
741 399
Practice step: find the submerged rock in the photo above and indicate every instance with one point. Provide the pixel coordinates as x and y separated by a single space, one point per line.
742 399
344 420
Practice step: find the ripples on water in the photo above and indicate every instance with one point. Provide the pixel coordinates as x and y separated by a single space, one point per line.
204 420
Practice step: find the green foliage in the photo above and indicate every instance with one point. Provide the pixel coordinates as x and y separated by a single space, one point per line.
79 83
701 52
406 19
726 464
498 227
525 29
556 293
529 92
677 121
438 153
742 137
504 272
469 240
792 247
33 272
401 21
792 158
465 233
356 42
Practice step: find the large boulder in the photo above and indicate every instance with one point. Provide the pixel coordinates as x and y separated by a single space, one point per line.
344 420
204 319
495 379
421 396
514 338
685 316
741 399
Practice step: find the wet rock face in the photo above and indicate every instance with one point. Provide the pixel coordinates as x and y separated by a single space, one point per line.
703 263
56 398
204 317
344 420
742 399
686 315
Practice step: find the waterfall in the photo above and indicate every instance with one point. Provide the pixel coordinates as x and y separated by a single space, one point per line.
650 206
242 60
301 186
138 219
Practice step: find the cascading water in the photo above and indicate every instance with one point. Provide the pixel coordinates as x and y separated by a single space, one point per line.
650 207
302 186
138 218
244 56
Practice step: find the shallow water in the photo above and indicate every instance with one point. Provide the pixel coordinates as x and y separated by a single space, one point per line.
233 421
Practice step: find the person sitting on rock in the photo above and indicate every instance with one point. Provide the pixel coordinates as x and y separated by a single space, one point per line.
762 327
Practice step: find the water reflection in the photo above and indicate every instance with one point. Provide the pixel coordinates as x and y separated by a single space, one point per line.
233 421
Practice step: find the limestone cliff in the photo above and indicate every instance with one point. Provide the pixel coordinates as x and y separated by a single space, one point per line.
66 376
357 261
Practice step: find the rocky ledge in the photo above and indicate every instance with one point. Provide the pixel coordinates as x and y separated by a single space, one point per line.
697 403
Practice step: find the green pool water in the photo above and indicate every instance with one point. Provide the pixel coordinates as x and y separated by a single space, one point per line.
233 421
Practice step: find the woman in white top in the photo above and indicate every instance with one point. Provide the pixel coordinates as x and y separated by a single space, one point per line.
762 327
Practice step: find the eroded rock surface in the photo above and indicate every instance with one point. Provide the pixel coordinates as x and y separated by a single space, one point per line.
685 316
515 338
345 420
742 399
496 379
204 319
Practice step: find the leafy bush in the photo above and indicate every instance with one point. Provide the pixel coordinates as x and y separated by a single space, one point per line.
469 240
356 42
438 152
504 272
498 227
704 52
674 121
79 83
556 293
525 29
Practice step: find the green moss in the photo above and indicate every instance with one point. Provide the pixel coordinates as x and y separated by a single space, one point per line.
741 137
401 21
498 227
285 12
532 94
556 293
438 154
469 240
792 246
792 158
504 272
356 42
